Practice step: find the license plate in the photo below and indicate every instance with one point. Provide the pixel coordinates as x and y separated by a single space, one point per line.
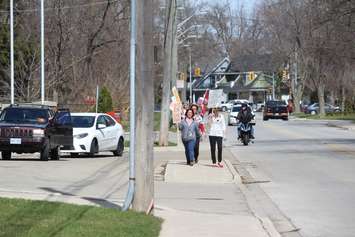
15 141
277 114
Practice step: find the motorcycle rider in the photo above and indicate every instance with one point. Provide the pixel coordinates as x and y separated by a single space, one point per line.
245 116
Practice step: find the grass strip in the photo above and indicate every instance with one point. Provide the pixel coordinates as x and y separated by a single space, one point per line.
333 116
26 218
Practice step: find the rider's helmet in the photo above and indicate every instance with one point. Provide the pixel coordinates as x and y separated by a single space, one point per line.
244 106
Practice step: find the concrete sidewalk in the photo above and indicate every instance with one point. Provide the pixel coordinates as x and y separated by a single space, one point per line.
203 201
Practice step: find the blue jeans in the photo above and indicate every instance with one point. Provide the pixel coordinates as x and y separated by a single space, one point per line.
190 150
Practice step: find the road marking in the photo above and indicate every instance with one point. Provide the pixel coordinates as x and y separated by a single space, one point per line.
341 149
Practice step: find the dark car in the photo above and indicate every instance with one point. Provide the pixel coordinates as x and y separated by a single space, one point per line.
314 109
275 109
31 128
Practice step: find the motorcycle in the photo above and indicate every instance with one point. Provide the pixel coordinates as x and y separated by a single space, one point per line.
245 132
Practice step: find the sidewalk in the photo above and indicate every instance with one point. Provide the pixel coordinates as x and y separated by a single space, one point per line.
203 200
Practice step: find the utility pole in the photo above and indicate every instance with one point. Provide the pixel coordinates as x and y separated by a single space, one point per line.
169 41
191 100
12 51
143 200
273 86
42 52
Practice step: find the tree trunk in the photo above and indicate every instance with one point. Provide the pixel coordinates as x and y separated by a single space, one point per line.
343 98
168 70
321 99
297 93
332 97
144 185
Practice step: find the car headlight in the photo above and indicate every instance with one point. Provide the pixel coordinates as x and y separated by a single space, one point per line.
82 135
38 132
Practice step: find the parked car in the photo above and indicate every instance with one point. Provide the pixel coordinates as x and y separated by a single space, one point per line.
96 132
240 101
232 117
35 128
226 106
314 108
275 109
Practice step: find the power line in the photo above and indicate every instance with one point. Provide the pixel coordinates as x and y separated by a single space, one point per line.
63 8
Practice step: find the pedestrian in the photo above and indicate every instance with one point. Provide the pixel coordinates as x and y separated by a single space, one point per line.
189 133
217 130
184 109
198 119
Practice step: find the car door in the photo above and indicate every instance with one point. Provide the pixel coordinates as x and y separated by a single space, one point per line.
112 132
103 133
61 130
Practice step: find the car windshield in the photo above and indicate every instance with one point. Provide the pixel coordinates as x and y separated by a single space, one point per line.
82 121
236 108
276 103
24 115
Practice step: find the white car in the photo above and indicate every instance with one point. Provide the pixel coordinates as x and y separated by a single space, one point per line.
226 106
96 132
232 118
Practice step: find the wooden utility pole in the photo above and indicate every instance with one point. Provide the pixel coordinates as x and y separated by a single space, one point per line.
144 186
169 70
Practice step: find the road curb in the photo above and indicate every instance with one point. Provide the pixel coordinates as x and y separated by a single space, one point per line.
236 177
259 205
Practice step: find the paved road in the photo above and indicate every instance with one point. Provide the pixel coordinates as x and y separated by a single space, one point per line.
93 179
312 171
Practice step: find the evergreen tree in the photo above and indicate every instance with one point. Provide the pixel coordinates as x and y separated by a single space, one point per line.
105 101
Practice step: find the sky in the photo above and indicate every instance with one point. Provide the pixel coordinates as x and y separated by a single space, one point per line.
248 4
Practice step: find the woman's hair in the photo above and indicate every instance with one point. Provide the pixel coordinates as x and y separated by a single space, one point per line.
194 105
188 111
215 111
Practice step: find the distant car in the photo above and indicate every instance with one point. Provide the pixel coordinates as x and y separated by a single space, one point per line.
275 109
226 106
232 117
240 101
96 132
314 109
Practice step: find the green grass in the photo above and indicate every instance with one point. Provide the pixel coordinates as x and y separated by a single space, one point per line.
125 123
24 218
333 116
156 144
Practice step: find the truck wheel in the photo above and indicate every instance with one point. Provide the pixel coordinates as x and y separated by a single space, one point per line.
45 151
6 155
120 148
94 148
265 118
55 153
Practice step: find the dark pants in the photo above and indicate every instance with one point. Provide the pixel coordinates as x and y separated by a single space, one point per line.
213 141
189 150
197 148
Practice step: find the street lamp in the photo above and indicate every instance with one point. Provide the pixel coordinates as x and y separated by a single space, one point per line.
190 66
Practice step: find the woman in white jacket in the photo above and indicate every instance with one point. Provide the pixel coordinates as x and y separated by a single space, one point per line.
217 130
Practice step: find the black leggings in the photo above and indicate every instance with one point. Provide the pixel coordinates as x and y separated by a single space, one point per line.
213 141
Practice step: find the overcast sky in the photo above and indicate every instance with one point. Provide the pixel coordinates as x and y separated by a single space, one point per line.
248 4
